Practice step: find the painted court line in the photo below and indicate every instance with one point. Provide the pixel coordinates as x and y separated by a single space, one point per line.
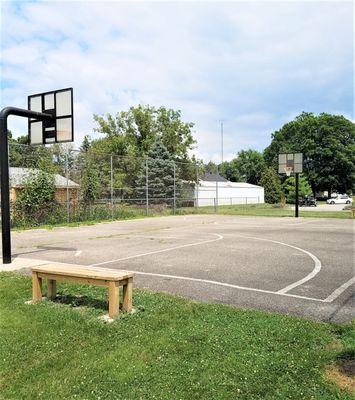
219 237
340 290
186 278
312 274
329 299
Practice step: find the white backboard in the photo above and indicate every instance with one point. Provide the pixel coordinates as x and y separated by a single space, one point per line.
290 160
58 103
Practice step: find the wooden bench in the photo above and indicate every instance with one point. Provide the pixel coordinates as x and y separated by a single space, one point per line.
89 275
353 212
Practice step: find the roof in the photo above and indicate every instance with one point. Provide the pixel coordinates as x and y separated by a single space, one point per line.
228 184
19 175
209 177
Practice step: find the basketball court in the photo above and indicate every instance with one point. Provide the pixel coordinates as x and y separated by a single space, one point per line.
298 266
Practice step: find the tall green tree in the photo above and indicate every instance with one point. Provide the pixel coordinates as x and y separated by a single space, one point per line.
250 165
159 168
230 170
130 135
272 186
328 144
246 167
289 188
25 156
90 185
138 128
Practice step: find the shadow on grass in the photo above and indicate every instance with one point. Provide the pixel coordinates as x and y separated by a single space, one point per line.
81 301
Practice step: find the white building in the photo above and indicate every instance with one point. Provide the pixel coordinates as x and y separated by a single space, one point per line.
214 189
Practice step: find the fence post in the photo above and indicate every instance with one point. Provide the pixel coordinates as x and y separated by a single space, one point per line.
216 202
174 188
196 189
111 184
146 187
67 179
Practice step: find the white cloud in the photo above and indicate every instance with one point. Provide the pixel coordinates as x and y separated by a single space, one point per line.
251 64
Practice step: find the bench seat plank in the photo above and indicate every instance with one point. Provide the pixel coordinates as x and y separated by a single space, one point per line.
81 271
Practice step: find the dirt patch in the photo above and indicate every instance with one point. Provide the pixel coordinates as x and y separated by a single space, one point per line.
343 374
336 345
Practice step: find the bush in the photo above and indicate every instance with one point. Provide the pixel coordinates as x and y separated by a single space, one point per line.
36 202
289 188
272 186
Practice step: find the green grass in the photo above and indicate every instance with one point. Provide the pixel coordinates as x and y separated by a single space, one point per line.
262 210
265 210
170 349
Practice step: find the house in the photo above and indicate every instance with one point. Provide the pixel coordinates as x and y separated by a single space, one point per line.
18 177
215 189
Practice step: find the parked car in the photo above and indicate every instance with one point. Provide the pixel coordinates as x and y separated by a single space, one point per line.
308 201
340 199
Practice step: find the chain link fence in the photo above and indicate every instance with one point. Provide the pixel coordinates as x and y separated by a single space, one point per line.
60 185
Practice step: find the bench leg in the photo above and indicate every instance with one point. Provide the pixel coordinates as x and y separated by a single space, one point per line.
114 299
51 289
36 287
127 295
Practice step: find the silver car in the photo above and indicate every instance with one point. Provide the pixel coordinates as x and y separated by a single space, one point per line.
340 199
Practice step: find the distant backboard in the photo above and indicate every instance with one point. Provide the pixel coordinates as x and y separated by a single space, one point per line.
58 103
290 163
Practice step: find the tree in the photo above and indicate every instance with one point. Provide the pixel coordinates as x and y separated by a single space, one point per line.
138 128
246 167
85 145
160 166
130 135
229 169
288 186
23 155
328 145
250 165
272 186
90 184
210 167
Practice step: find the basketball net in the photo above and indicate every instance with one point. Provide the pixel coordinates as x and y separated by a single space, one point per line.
288 170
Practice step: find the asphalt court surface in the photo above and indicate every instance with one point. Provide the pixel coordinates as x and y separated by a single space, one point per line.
299 266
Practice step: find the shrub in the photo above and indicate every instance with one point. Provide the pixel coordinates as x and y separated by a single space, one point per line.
36 202
289 188
272 186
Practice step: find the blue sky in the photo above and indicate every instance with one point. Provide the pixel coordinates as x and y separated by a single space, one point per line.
255 65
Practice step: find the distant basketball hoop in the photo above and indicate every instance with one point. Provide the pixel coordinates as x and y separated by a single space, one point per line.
288 171
292 163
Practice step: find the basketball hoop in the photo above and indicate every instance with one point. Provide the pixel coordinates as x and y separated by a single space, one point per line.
288 170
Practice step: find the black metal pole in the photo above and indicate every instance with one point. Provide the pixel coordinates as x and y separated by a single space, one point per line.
4 174
5 196
296 194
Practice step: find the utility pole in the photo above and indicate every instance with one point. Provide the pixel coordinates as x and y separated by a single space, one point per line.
174 188
146 187
222 140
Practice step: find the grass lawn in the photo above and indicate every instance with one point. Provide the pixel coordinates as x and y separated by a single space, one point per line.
265 210
170 349
262 210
